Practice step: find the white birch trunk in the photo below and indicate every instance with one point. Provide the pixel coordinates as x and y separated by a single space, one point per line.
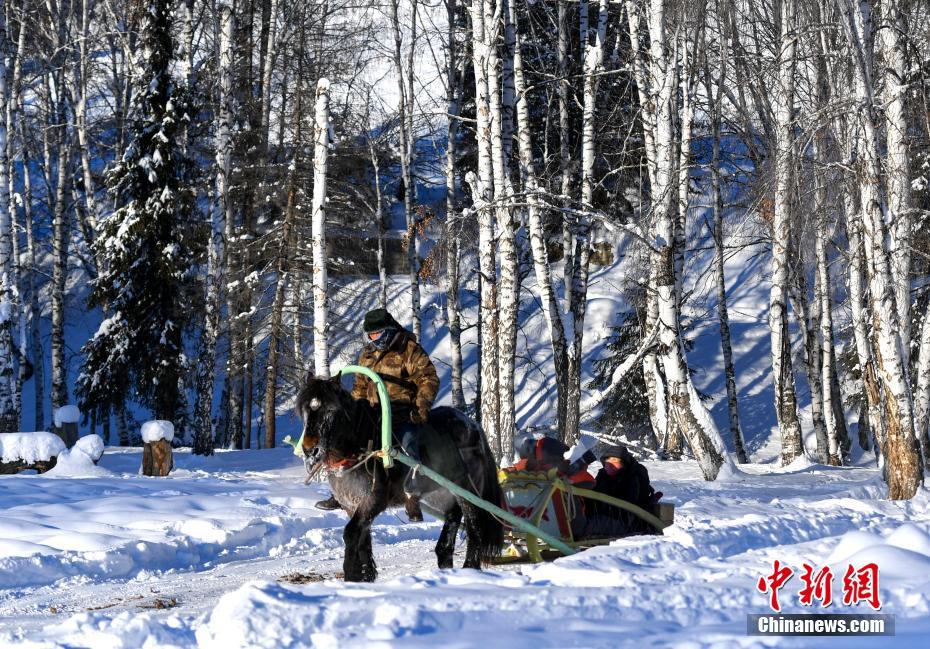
509 288
593 66
543 272
897 163
922 396
565 169
221 215
686 409
268 72
379 224
808 318
655 389
857 302
715 91
318 229
406 159
786 408
8 415
482 188
453 244
60 244
828 354
206 369
903 460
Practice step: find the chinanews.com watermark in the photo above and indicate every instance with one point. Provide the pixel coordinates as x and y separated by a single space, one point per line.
865 624
860 587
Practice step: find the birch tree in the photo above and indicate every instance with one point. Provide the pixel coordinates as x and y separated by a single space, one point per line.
321 129
8 415
482 187
221 214
714 89
405 122
904 471
685 408
786 408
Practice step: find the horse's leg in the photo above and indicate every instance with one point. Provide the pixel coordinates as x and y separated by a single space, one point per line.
473 532
359 561
445 547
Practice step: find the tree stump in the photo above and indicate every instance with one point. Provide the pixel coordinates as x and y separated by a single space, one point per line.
66 424
24 451
157 458
17 466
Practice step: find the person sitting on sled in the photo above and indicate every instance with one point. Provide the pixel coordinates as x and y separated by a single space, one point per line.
546 453
411 382
624 478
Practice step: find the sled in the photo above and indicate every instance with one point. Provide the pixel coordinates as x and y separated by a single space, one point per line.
548 503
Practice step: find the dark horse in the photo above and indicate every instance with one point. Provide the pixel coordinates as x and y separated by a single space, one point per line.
339 429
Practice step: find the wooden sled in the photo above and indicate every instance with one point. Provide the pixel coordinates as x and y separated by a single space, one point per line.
545 500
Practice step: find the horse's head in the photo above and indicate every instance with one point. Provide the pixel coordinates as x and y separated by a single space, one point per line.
325 409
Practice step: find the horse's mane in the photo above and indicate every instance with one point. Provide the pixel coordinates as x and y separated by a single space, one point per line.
341 422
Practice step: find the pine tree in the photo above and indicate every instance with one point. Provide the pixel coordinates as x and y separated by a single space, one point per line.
143 246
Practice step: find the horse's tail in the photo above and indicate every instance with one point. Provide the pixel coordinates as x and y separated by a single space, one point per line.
489 527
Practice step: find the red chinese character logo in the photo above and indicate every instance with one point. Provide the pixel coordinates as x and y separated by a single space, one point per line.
861 586
817 586
774 582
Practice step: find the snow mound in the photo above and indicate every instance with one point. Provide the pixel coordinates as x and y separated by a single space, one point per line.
30 447
79 461
91 446
67 415
903 554
158 429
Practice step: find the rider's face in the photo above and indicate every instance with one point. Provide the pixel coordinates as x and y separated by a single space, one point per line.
375 335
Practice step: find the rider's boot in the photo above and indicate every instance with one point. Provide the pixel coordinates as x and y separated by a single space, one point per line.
329 504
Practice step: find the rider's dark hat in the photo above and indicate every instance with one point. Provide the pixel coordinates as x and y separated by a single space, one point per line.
378 319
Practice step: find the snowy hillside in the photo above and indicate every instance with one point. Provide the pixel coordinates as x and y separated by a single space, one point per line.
208 557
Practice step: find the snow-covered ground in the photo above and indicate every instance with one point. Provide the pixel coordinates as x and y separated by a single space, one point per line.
120 560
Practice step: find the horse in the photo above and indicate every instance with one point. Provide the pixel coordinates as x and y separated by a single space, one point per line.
338 430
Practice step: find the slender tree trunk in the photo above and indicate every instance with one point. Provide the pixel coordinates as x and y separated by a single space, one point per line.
593 66
686 409
453 226
406 160
60 244
897 164
902 454
565 169
723 314
652 374
922 395
8 415
509 291
482 186
222 213
871 399
813 355
828 363
379 225
544 279
786 408
318 228
283 276
33 312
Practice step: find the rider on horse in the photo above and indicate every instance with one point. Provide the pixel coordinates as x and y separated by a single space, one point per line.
411 382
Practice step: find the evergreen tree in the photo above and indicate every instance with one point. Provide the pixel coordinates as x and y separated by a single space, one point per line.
138 350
